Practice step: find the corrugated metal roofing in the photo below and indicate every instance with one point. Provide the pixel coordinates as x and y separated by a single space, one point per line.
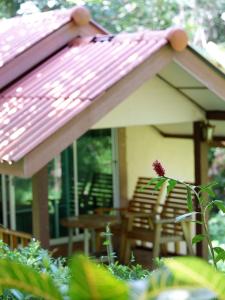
19 33
47 98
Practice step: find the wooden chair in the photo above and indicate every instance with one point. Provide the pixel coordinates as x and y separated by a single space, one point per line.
14 239
154 222
143 204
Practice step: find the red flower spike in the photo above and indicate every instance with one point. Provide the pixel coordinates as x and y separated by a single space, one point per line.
158 168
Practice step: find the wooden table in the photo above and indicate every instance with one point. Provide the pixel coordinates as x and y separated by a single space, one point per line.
87 223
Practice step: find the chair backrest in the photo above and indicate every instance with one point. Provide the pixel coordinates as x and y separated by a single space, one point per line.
175 205
14 239
156 202
145 200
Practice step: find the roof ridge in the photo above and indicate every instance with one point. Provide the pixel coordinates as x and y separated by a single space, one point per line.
176 36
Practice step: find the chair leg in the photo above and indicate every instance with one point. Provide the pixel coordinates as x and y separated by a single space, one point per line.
177 247
186 226
156 244
164 249
127 252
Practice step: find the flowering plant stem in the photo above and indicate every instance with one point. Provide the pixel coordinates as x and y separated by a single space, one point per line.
201 194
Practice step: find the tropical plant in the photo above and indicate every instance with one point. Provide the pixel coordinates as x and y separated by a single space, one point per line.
90 281
203 206
40 261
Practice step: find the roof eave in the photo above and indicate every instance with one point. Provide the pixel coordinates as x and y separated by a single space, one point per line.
204 72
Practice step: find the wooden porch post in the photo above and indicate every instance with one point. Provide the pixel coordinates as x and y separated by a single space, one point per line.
40 214
122 166
201 176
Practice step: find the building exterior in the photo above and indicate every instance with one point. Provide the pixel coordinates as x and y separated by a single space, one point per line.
149 93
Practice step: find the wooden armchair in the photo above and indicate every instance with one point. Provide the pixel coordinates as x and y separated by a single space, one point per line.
14 239
143 204
156 224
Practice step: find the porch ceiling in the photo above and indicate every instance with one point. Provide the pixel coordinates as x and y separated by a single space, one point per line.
186 84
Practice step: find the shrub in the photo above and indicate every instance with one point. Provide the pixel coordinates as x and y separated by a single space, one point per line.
41 261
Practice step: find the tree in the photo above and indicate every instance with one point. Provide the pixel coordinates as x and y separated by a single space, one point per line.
203 19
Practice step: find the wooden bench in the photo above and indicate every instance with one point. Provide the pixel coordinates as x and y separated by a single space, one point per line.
14 239
151 217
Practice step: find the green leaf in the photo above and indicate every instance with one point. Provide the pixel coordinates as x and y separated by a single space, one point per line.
209 191
220 253
171 185
160 183
21 277
197 272
198 238
91 281
219 250
185 216
220 205
151 181
189 199
209 185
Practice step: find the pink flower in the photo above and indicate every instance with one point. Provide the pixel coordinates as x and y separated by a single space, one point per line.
158 168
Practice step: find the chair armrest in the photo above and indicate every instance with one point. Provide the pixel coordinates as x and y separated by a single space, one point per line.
170 221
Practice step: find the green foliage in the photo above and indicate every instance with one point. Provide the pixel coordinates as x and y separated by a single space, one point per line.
201 18
94 153
26 279
202 194
131 272
90 281
196 272
198 238
40 261
217 228
217 170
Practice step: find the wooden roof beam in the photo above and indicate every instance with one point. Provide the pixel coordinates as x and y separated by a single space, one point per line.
215 115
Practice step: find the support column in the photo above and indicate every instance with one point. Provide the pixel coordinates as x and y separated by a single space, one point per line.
40 207
122 166
201 176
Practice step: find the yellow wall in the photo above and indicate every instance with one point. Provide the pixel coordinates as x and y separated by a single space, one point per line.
145 144
155 102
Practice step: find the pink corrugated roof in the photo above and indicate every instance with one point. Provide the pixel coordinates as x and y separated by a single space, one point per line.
19 33
55 92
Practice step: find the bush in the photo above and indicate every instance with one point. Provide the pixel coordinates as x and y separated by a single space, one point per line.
41 261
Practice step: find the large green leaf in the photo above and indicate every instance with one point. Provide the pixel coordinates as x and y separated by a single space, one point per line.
24 278
160 183
90 281
220 205
198 238
171 185
197 272
150 182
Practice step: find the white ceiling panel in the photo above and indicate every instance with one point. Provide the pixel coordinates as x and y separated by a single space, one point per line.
205 98
178 77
